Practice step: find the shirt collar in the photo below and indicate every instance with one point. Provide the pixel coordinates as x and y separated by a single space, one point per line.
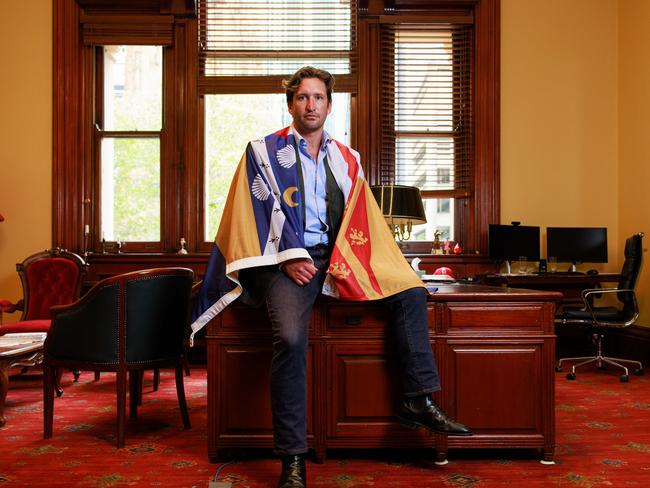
302 142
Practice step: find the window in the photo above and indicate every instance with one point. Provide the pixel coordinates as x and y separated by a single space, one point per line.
275 37
260 44
154 103
426 116
128 129
233 120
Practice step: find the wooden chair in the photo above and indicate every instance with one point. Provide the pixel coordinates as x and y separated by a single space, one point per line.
49 278
52 277
126 324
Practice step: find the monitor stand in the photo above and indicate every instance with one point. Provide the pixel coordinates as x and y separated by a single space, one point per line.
508 267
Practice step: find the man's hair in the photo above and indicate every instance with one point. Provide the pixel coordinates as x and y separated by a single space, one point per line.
291 85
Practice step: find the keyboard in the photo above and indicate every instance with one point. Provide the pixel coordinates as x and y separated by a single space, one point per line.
561 273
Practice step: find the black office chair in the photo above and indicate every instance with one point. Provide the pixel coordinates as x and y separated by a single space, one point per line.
600 318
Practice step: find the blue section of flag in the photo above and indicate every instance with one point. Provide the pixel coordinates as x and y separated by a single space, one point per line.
262 209
292 233
215 283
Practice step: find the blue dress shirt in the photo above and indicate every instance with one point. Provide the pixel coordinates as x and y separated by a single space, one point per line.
315 197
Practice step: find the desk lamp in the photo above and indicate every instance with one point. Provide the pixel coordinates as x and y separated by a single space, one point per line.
401 206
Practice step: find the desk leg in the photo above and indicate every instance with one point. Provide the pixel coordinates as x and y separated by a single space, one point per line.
4 387
441 446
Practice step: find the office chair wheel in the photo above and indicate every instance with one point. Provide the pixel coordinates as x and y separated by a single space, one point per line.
571 376
625 378
639 371
558 369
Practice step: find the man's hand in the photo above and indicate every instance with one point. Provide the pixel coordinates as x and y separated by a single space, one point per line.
300 270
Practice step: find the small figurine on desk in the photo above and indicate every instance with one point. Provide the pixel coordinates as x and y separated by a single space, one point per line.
437 248
182 249
118 245
457 249
103 244
446 246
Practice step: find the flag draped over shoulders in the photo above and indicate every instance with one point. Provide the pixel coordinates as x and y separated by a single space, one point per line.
262 224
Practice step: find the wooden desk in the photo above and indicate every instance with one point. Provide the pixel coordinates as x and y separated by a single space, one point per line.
569 284
494 348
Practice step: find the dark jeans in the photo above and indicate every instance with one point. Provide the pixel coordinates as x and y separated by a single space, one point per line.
290 306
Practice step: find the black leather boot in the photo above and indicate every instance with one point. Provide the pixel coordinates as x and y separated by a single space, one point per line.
422 412
294 473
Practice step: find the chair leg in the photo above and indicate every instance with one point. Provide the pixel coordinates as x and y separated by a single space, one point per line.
584 359
180 391
186 361
135 393
57 382
156 379
615 361
96 375
140 388
48 400
599 359
121 406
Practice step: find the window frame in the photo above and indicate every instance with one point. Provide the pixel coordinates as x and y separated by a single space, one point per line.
255 84
100 134
475 212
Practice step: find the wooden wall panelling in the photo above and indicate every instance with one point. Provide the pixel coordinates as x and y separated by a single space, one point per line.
487 122
67 174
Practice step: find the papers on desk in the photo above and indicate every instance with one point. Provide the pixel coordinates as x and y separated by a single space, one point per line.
19 343
438 278
20 338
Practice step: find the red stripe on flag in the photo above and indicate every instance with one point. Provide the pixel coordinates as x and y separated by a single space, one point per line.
347 285
283 132
353 165
358 237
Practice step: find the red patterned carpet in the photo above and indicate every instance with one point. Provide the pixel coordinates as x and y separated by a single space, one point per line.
603 440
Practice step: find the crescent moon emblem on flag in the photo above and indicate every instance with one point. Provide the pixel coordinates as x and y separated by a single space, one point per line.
287 196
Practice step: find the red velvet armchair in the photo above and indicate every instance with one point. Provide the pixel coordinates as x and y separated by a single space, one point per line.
49 278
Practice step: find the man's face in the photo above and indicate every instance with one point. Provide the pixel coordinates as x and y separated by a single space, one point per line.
310 107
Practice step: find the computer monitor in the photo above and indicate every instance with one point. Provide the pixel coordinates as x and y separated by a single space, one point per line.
509 242
577 244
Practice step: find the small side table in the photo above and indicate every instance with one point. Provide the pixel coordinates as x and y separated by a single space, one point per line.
17 350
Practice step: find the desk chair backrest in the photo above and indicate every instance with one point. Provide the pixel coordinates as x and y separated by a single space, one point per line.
631 268
52 277
134 319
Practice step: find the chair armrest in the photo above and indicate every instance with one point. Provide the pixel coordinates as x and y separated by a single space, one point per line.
86 330
587 294
10 307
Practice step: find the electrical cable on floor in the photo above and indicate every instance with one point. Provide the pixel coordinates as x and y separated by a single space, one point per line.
215 483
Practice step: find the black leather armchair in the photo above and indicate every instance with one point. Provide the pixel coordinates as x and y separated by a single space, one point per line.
127 323
598 319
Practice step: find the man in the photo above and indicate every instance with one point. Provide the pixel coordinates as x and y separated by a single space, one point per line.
320 229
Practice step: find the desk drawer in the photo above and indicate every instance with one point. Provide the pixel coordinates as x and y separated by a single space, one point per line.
526 316
361 318
354 319
240 317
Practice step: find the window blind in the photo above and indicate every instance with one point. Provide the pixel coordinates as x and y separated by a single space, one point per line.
426 108
275 37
